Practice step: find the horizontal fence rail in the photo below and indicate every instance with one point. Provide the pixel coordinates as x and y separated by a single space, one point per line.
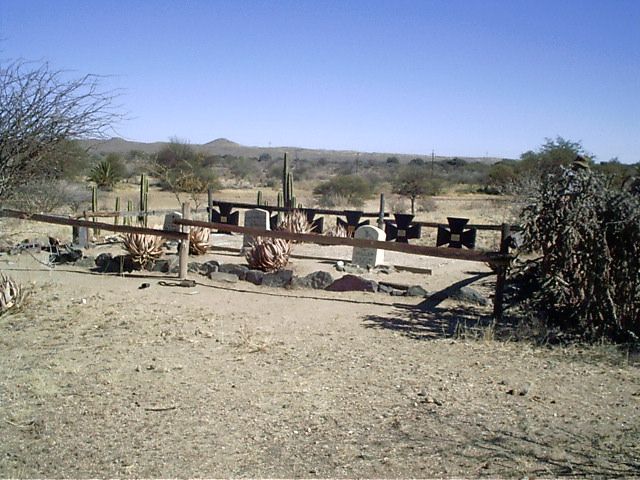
441 252
36 217
500 260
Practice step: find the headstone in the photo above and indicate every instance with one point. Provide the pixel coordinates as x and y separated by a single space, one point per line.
256 218
80 237
368 256
168 221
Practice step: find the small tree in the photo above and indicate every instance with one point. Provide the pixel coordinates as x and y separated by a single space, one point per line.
348 189
39 110
413 182
181 170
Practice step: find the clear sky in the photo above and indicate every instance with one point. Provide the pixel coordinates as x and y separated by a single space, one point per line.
468 78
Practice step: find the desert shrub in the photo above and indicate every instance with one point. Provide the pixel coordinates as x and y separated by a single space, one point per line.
427 204
398 204
414 182
350 189
44 195
586 278
108 172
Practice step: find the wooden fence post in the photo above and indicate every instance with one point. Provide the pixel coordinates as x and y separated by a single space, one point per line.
184 244
498 299
209 204
381 213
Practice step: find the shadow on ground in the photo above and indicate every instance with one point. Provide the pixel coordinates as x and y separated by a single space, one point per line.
430 320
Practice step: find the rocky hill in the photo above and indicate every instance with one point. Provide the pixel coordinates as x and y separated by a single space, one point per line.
223 146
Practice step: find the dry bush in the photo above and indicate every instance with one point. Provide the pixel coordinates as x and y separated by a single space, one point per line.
586 278
427 204
398 204
45 195
251 340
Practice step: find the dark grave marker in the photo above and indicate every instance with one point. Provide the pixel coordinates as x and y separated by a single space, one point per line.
225 215
317 224
353 221
402 229
456 236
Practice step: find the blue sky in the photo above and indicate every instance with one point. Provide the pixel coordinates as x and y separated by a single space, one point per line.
468 78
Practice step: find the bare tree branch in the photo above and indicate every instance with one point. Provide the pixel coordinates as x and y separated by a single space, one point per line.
39 109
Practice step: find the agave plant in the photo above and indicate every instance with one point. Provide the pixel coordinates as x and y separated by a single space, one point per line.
144 250
337 231
295 221
268 254
198 240
11 294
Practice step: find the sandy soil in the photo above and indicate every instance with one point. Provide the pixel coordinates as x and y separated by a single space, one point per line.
99 378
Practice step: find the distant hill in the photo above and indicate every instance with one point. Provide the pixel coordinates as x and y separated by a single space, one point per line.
223 146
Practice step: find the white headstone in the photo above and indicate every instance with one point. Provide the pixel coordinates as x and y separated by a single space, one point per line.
168 221
80 237
364 257
256 218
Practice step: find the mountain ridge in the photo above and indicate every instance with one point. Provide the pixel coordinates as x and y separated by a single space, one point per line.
224 146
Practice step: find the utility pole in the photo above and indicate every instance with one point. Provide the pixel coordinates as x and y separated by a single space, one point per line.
433 157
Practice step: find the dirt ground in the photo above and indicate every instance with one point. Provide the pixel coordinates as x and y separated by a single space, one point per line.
99 378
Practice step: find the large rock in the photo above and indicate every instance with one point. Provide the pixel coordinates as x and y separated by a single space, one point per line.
316 280
417 291
353 283
165 264
469 295
196 267
211 266
239 270
105 263
86 262
255 276
281 278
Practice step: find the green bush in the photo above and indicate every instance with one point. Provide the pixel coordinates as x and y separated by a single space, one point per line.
350 189
414 182
586 279
105 174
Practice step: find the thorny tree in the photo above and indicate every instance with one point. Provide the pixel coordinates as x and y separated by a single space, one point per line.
586 278
40 109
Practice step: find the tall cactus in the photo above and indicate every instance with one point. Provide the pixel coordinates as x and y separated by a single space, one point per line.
94 206
279 204
287 184
127 219
144 199
116 219
259 199
289 199
285 172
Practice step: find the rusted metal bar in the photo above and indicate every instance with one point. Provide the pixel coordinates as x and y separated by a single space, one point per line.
89 224
469 255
